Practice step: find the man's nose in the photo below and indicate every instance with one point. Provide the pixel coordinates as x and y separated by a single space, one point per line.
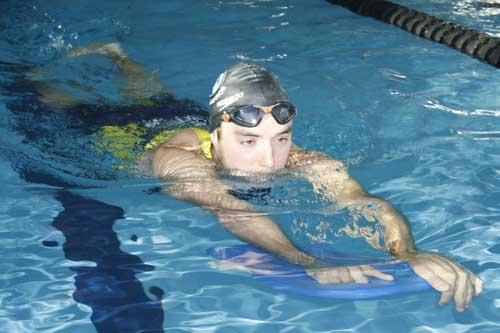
267 159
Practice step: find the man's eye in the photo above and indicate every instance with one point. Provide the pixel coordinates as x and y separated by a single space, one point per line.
283 139
247 142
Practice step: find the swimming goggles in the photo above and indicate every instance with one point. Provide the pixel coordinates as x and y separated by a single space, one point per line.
250 116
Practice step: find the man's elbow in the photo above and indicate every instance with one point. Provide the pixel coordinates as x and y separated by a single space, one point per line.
380 204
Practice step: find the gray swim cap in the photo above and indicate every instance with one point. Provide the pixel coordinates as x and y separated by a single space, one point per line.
244 84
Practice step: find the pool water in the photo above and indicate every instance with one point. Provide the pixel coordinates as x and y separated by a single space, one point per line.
88 247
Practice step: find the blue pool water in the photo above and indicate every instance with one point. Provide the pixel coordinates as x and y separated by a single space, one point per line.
417 122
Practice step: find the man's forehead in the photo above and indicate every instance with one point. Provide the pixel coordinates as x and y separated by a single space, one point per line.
249 133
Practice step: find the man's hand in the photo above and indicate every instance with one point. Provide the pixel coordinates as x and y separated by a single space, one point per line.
346 274
446 276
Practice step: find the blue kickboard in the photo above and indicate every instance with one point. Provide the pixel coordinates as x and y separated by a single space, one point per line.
282 275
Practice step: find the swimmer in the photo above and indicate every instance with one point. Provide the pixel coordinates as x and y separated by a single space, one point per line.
250 133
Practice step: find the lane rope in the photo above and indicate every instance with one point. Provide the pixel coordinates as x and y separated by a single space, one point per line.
477 44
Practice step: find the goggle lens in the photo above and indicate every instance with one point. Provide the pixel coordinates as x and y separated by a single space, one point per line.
250 116
283 113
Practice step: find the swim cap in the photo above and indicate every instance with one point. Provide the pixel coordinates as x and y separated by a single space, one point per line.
244 84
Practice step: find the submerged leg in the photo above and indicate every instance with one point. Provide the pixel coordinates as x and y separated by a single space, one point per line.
48 93
140 83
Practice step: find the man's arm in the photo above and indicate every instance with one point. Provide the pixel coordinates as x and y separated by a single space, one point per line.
445 275
192 178
330 178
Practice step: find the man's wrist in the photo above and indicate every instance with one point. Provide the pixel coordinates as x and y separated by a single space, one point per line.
301 258
405 253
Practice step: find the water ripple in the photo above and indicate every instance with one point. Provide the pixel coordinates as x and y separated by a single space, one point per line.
433 105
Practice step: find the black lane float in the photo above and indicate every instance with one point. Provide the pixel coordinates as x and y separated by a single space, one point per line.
474 43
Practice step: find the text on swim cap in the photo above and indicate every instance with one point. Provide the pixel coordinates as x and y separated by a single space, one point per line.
224 103
218 95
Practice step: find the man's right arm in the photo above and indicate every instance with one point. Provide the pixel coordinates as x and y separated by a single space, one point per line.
192 178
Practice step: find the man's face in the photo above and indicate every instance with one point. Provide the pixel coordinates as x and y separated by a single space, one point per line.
261 149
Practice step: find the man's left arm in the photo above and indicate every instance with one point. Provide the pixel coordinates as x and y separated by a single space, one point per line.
443 274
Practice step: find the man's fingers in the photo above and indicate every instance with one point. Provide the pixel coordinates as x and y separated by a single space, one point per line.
478 284
461 290
348 274
439 275
459 278
325 275
450 278
344 276
470 293
370 271
428 275
357 274
464 286
446 297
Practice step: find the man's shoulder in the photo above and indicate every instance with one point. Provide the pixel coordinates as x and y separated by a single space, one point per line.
186 139
181 155
299 158
192 139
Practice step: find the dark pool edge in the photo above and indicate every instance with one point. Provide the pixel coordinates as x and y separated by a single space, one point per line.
476 44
